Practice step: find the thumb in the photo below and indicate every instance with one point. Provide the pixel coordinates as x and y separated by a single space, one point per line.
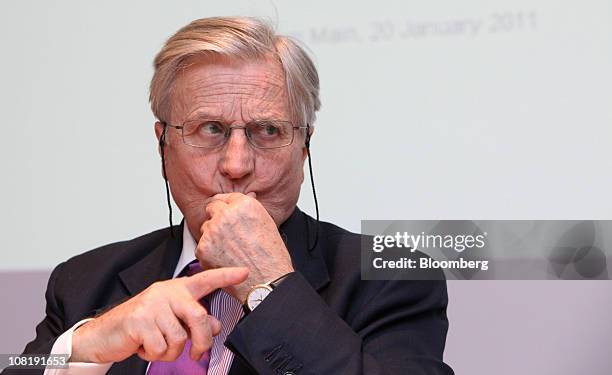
215 325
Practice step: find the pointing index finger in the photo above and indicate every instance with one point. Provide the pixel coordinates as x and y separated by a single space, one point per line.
205 282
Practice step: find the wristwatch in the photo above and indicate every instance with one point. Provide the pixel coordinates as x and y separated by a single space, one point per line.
259 292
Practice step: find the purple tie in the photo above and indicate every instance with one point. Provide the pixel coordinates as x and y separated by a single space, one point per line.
184 364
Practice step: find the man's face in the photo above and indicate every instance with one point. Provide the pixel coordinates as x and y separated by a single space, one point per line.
234 92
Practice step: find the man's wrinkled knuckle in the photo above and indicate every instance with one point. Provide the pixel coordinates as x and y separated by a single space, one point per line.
201 248
212 233
157 350
199 316
137 315
175 341
154 292
204 226
177 337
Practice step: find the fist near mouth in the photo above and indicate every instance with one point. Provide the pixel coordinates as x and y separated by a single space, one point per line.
239 232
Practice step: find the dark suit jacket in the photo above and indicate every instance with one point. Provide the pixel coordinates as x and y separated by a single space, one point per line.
322 319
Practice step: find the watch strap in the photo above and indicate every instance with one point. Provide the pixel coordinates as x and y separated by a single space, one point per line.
276 283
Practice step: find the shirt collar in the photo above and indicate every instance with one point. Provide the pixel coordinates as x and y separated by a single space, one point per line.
188 251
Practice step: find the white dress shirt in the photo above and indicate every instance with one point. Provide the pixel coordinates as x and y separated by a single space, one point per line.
222 306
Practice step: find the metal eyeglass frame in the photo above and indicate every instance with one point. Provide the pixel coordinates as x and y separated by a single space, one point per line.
228 134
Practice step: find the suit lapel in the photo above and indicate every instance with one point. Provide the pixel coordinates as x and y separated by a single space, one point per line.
159 264
300 231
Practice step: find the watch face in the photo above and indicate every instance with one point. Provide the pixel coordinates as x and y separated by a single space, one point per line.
257 295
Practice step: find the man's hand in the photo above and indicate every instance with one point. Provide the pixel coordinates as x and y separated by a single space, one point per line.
156 323
239 232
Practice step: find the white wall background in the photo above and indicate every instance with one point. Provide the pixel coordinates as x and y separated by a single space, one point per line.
508 119
509 123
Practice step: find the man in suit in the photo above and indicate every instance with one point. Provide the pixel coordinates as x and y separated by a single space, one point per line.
247 284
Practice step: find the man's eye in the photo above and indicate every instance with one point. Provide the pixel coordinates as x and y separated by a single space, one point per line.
271 130
211 128
268 129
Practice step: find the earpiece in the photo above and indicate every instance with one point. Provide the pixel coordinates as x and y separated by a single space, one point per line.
314 192
307 142
162 142
162 137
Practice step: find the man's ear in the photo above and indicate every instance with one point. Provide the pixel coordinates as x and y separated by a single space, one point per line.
159 130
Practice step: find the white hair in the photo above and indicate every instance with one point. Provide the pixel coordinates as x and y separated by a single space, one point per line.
242 38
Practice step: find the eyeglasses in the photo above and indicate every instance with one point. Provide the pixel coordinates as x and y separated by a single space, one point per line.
264 134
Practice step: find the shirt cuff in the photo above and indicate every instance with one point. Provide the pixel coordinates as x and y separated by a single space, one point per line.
63 346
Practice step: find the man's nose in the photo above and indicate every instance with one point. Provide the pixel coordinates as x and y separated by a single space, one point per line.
237 160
